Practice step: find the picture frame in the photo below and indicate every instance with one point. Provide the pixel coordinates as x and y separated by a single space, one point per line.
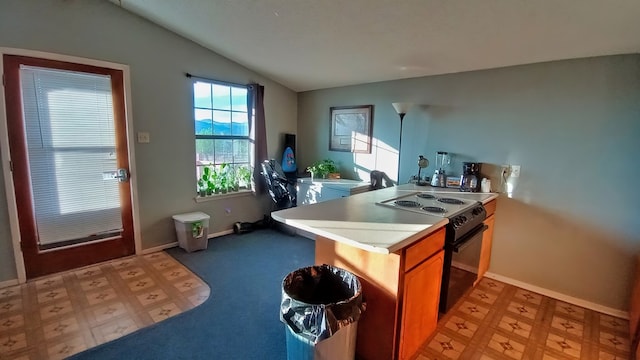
351 128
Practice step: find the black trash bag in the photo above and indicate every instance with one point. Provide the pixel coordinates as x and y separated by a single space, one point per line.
317 301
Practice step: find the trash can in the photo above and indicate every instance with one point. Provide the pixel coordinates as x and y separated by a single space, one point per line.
320 308
192 230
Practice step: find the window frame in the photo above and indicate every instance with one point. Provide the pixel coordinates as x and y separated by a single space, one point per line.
249 138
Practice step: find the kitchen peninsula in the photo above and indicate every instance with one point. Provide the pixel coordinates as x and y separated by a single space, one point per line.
398 255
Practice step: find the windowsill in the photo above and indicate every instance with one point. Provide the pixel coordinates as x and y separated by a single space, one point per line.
239 193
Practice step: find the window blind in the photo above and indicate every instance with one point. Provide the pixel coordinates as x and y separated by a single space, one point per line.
72 156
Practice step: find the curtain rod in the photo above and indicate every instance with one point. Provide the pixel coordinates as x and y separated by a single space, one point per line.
213 80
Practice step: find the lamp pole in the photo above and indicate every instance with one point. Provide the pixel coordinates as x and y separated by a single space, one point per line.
400 144
401 109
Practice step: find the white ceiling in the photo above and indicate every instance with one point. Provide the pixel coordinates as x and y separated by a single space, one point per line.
316 44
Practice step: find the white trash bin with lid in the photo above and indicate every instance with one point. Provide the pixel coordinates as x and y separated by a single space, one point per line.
192 230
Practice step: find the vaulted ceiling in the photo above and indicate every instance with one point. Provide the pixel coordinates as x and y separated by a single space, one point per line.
315 44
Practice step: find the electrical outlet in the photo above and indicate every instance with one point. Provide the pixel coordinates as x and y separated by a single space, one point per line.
515 171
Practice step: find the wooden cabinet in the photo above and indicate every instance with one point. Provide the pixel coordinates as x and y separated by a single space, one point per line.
402 292
487 240
419 309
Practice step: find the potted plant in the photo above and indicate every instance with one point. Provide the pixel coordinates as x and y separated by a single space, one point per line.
232 181
206 183
222 178
323 169
243 175
202 187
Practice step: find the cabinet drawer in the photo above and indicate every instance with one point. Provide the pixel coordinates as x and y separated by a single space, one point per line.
423 249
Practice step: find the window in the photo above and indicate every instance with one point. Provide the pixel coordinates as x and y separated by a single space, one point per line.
222 128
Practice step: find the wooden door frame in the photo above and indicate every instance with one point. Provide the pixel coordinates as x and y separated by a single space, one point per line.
6 155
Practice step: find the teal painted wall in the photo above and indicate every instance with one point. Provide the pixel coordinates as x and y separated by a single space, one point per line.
573 126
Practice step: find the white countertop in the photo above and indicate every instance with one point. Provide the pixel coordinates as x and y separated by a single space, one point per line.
358 221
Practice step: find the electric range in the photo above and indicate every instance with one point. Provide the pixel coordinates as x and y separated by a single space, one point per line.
463 238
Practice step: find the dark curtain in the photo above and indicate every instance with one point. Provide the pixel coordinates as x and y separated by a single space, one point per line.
256 103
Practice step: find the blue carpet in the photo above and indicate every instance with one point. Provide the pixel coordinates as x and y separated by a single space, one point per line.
240 320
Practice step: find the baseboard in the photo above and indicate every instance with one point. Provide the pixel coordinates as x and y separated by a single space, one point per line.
159 248
220 233
559 296
175 243
7 283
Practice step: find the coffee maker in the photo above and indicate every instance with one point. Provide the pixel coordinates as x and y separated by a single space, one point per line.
469 180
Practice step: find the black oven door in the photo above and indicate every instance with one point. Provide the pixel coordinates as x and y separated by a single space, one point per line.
462 259
468 239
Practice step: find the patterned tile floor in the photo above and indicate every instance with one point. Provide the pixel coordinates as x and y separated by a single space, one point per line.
496 321
57 316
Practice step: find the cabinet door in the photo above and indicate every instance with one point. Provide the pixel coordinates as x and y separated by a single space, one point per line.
420 304
485 253
330 194
305 194
315 193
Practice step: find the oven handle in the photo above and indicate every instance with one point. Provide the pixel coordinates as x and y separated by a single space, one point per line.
463 242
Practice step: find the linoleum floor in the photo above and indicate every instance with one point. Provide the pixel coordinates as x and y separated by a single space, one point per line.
496 321
56 316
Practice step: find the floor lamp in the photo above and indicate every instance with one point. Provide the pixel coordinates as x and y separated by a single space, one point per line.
401 109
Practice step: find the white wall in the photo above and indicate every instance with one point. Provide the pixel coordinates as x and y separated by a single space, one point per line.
571 225
161 101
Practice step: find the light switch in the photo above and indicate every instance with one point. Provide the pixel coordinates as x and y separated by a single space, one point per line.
143 137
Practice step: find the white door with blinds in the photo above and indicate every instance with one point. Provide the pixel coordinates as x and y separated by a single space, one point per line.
72 155
67 131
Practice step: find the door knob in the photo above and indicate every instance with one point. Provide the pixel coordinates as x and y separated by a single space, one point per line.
122 175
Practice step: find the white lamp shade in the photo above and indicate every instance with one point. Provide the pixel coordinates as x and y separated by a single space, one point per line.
402 107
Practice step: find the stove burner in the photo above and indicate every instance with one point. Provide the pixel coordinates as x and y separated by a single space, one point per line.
451 201
434 209
407 203
425 196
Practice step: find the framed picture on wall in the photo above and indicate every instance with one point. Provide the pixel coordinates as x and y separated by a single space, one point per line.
351 128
